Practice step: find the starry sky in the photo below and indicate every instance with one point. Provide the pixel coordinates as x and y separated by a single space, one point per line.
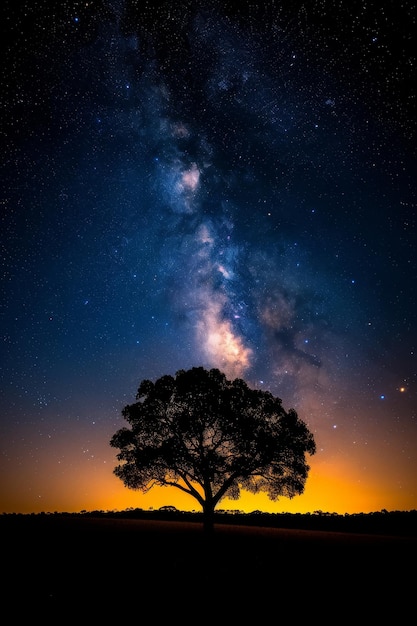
217 184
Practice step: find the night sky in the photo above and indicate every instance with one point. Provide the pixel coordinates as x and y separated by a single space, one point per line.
214 184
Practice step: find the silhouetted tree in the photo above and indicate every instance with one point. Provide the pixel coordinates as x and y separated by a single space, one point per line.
211 437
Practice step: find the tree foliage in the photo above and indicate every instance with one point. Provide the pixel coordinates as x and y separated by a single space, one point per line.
210 437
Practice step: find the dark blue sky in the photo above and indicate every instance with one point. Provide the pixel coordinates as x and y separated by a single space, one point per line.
205 183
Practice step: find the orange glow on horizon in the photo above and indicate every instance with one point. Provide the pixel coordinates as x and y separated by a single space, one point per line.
330 488
69 475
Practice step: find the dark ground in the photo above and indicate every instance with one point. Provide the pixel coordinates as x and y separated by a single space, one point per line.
80 569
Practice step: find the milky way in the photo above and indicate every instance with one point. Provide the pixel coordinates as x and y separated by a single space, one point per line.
217 185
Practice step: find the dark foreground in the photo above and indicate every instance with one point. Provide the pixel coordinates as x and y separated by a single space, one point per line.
85 570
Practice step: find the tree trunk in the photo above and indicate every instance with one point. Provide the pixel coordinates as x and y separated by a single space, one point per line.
208 519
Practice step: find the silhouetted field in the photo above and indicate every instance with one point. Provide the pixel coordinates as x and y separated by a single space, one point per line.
403 523
102 567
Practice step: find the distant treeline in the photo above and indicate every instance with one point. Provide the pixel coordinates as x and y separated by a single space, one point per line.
400 523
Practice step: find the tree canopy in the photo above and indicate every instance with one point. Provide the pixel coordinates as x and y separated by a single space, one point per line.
210 437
